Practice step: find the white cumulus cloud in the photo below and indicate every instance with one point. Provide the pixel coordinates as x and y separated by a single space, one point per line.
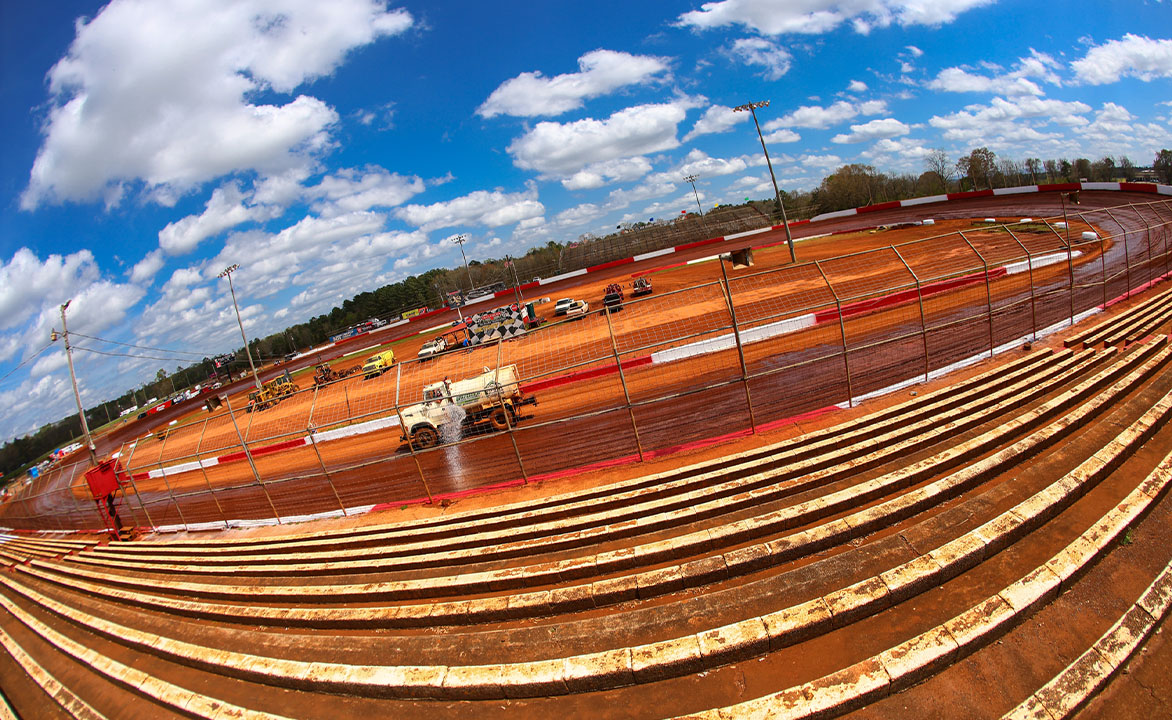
600 72
562 149
716 119
1131 56
482 207
162 94
772 58
873 130
820 118
776 17
225 209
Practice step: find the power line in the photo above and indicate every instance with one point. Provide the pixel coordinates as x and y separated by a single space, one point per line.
140 347
140 357
26 361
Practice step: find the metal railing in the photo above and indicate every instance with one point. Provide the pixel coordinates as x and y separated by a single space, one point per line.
740 353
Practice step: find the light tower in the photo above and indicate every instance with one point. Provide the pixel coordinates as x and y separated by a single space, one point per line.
227 272
752 108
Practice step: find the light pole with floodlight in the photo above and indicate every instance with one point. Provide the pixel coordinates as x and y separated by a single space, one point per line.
692 180
460 240
227 272
85 428
752 108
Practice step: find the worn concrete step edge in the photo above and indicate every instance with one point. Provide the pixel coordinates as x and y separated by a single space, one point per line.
637 517
926 654
907 662
1082 679
538 507
669 579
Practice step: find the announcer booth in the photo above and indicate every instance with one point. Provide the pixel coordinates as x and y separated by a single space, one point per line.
108 483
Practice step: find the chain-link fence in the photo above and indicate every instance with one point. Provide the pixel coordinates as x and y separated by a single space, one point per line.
736 354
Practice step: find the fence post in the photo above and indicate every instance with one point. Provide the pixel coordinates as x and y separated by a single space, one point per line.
988 288
732 313
309 433
248 456
407 433
850 393
204 470
1030 266
1148 235
923 318
167 483
134 486
500 349
1069 258
1126 254
133 515
623 379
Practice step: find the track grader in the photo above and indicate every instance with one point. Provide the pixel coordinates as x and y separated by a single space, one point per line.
323 373
271 393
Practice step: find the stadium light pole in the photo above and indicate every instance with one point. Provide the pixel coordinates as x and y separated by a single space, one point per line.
227 272
752 108
460 240
692 180
85 428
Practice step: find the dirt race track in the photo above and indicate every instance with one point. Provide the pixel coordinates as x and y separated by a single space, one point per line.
591 411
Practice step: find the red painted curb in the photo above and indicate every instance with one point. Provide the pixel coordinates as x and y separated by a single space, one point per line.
879 206
1141 288
970 194
585 374
1059 187
1138 187
698 243
612 263
903 296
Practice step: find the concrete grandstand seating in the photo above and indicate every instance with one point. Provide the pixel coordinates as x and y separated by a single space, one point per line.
831 571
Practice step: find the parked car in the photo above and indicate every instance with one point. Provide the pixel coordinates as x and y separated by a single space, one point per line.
577 308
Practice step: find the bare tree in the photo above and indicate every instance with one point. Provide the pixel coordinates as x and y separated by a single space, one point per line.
937 162
1127 169
1033 165
1051 169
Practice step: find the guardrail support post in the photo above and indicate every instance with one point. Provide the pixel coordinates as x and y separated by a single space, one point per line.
204 470
920 296
500 348
167 483
623 379
407 434
988 287
850 393
251 463
732 313
1030 267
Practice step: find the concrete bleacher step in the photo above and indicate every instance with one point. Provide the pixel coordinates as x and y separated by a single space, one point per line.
651 663
600 592
537 602
1098 333
865 680
708 501
502 517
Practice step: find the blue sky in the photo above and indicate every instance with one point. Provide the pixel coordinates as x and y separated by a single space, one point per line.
331 148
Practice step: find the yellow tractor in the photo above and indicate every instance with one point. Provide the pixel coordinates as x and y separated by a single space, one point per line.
271 393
